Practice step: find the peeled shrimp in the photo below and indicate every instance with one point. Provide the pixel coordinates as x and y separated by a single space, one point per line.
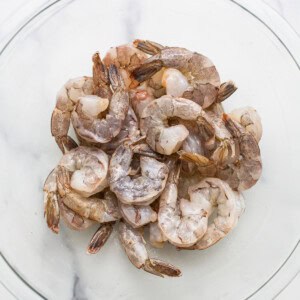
102 130
99 210
126 58
249 118
55 210
134 246
141 190
89 169
154 122
130 132
230 206
198 79
137 216
66 99
246 171
157 239
182 222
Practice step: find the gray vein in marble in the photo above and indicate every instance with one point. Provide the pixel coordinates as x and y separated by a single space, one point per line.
78 293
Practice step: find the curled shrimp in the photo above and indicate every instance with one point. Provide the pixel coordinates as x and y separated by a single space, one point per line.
182 222
202 83
143 189
230 206
249 118
154 122
242 173
66 99
55 210
137 216
126 57
89 169
134 245
99 210
102 130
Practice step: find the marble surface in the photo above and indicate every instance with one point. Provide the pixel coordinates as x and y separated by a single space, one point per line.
63 254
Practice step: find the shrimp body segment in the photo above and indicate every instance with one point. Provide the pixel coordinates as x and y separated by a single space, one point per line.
134 246
141 190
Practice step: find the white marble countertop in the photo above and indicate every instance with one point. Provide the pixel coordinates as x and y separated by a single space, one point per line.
12 12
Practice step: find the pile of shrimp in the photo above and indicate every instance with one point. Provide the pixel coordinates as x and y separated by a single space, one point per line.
154 149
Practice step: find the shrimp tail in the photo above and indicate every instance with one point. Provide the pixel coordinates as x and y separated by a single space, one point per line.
52 212
226 90
99 238
100 78
63 181
160 268
65 144
115 77
148 47
147 70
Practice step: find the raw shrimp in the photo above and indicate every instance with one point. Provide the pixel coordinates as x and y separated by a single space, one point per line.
66 99
99 210
129 132
55 210
102 130
197 80
134 246
246 171
157 239
230 206
99 238
249 118
154 122
182 222
126 58
242 173
141 190
137 216
89 168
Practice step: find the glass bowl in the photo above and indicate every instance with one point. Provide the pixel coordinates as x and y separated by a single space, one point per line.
57 44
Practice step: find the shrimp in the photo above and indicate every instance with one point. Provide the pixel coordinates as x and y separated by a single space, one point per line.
69 95
129 132
99 238
137 216
229 204
55 210
102 130
134 245
157 239
141 190
246 171
99 210
66 99
182 222
126 58
249 118
240 174
154 121
89 168
202 82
